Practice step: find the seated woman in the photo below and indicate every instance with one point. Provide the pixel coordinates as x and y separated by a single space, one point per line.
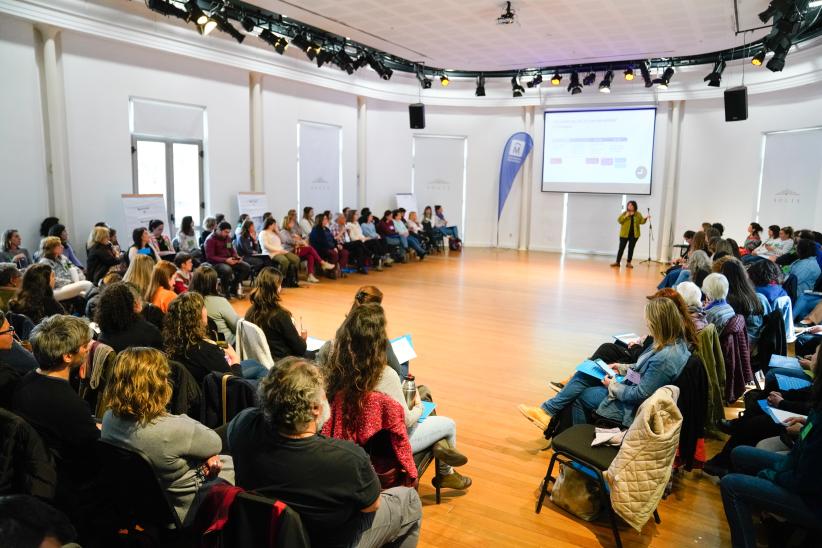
271 241
696 243
139 272
407 239
185 339
101 256
357 253
717 310
187 238
35 299
416 229
183 453
160 291
118 315
754 238
294 242
205 282
357 366
209 224
743 299
806 269
441 223
159 242
779 242
660 364
268 314
369 230
70 281
307 221
698 266
374 247
59 231
787 485
327 247
766 278
248 247
141 239
11 252
692 296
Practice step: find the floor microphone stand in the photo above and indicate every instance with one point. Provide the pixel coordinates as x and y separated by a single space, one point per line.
650 239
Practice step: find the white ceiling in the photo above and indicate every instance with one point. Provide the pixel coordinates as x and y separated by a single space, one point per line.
463 34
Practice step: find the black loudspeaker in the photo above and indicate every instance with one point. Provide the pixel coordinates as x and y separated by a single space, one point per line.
416 114
736 104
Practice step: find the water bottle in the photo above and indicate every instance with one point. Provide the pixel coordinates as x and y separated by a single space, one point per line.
409 390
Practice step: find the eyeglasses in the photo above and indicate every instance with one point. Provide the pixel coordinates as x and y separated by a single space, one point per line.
9 330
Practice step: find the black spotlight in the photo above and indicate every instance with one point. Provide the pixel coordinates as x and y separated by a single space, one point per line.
574 87
279 44
228 28
167 9
535 81
361 61
605 85
480 86
344 61
590 78
383 71
646 74
323 57
776 6
516 89
777 62
715 77
425 82
300 41
248 23
665 79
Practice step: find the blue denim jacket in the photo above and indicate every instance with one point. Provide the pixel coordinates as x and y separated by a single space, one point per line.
656 369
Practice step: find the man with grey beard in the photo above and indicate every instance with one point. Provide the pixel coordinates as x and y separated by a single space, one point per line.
278 452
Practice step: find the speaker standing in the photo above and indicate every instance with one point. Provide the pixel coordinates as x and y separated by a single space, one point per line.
629 221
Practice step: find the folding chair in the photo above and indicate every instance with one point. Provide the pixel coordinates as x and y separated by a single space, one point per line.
423 460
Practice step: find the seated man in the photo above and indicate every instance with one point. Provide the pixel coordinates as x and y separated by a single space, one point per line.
10 279
220 252
278 452
46 400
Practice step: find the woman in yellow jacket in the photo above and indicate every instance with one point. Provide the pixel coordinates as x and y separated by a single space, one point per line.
629 222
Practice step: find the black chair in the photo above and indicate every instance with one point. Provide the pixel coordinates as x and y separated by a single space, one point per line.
435 236
133 493
574 445
250 519
789 285
223 396
423 460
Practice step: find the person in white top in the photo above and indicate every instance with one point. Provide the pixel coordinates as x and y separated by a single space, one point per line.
295 243
415 228
441 223
272 244
372 245
773 248
307 222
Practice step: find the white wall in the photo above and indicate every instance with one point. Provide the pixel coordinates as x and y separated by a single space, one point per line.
100 76
22 146
721 161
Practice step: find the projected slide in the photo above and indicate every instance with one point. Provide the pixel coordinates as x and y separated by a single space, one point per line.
602 151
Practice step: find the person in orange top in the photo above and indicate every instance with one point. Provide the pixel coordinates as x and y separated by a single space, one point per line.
160 291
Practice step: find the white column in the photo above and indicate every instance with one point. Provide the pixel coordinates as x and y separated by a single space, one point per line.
362 138
671 184
256 112
527 185
55 130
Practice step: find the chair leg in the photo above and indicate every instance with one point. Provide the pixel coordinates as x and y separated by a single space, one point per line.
437 483
544 487
606 502
656 517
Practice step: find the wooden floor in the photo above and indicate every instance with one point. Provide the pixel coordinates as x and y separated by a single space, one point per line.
491 328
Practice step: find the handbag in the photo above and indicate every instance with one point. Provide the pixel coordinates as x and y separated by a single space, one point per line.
577 493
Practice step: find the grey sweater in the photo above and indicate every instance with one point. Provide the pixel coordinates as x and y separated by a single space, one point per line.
389 384
177 447
223 314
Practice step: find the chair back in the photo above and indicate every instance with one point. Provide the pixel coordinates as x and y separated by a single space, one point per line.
186 395
135 494
735 351
693 404
259 521
252 344
790 287
224 396
785 307
771 341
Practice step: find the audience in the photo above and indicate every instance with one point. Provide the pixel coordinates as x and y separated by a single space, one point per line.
69 280
10 280
268 314
692 296
271 239
248 247
406 238
220 252
779 242
441 223
139 272
209 224
293 241
140 246
187 238
326 245
278 451
159 241
742 297
307 221
120 322
11 252
766 278
753 239
717 310
59 231
35 299
184 263
205 282
160 291
100 254
357 252
806 269
183 452
186 341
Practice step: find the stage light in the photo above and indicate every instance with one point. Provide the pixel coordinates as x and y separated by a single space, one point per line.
574 87
516 89
444 81
278 43
605 85
300 41
629 74
383 71
425 82
535 81
342 59
589 79
556 79
646 74
361 61
206 28
665 79
715 76
759 58
228 28
167 9
777 62
323 56
774 8
248 24
480 86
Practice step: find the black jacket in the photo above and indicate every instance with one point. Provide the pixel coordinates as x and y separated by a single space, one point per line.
693 404
99 261
26 465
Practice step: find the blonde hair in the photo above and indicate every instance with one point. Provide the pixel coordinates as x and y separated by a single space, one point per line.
48 244
139 272
160 277
139 388
98 234
664 322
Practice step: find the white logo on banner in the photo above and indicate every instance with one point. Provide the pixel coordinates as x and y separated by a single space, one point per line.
517 149
787 196
438 184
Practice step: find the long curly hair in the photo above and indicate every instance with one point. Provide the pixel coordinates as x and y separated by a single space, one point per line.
357 359
183 325
139 388
265 297
35 291
115 309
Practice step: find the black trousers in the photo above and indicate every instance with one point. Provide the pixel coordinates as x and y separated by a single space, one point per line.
631 244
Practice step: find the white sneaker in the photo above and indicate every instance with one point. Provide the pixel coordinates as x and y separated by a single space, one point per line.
389 260
326 265
312 279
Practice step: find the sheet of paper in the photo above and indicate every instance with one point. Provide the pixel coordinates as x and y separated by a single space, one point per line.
778 415
403 349
627 338
594 369
313 344
605 369
791 383
427 407
784 361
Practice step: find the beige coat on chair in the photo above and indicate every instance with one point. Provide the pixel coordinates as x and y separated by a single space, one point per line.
638 475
